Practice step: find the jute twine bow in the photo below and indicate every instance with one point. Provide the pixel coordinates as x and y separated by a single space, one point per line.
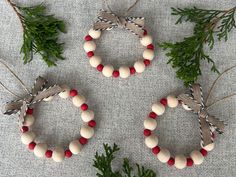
108 20
37 94
207 122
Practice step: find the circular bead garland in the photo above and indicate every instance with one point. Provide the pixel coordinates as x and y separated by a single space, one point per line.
28 137
180 161
124 71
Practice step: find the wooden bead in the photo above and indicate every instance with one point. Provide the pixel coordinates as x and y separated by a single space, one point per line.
58 154
186 107
148 54
75 147
150 124
78 100
66 93
89 46
87 115
158 108
164 155
180 161
197 157
40 150
124 71
87 132
139 66
48 98
107 70
172 101
95 61
27 137
151 141
95 34
146 40
209 147
28 120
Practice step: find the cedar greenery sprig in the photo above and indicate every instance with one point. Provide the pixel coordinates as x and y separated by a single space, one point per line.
103 163
186 56
40 33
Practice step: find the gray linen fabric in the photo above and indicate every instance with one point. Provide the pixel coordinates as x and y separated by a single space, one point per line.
120 105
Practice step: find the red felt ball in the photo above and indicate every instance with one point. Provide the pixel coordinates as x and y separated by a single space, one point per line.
156 150
48 153
84 107
88 38
171 161
73 93
31 145
24 129
152 115
90 54
116 73
100 67
163 101
83 140
132 70
204 152
144 32
146 62
92 123
150 46
147 132
189 162
29 111
68 153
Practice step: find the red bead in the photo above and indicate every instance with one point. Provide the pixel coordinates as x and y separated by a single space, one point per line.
152 115
31 145
150 46
84 107
189 162
90 54
29 111
163 101
146 62
132 70
156 150
116 73
83 140
68 153
144 32
73 93
24 129
204 152
147 132
100 67
88 38
171 161
92 123
48 153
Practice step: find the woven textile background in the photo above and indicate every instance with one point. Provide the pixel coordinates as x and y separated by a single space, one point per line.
120 105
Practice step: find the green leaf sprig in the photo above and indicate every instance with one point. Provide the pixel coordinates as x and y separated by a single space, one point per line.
186 56
103 163
40 33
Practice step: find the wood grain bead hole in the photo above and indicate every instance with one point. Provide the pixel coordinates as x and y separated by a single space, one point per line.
180 161
58 154
124 71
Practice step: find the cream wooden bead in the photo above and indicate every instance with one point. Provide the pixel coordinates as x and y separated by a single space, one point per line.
158 108
148 54
186 107
146 40
95 34
151 141
75 147
164 155
180 161
48 98
107 70
139 66
78 100
124 72
28 120
58 154
87 115
66 93
87 132
95 61
172 101
40 149
27 137
89 46
209 147
197 157
150 124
